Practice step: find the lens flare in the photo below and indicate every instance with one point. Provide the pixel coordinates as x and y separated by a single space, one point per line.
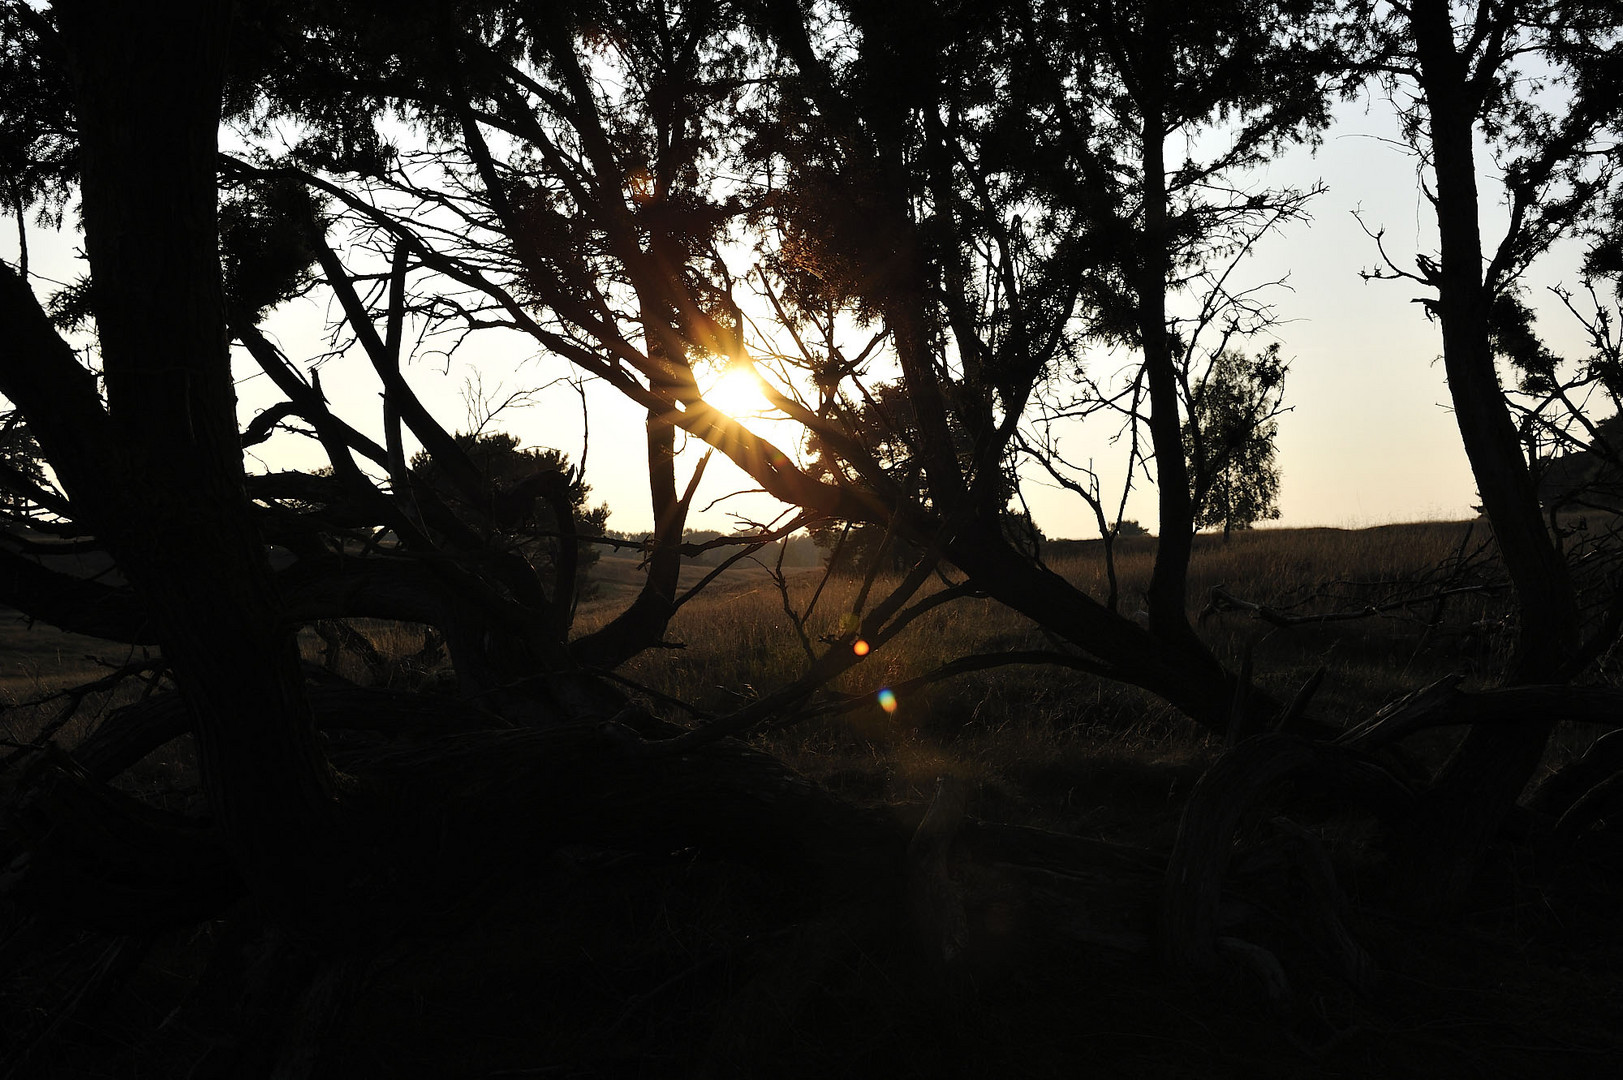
860 647
887 699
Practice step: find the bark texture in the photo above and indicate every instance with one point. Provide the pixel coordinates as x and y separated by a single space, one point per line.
166 491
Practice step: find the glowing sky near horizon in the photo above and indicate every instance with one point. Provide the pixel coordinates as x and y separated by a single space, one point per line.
1369 438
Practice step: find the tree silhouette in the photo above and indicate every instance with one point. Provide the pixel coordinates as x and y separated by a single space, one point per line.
944 208
1460 72
1254 74
1230 440
587 187
521 486
24 490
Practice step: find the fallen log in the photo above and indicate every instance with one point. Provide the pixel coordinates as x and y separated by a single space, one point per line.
1236 783
1443 703
132 732
75 852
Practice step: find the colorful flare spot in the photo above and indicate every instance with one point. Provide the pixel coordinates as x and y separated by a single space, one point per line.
859 647
887 699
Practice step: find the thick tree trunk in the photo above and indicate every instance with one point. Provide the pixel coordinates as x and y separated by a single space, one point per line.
1548 611
1479 784
170 500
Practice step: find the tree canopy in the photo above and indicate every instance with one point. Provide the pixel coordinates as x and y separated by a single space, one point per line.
923 225
1230 440
521 487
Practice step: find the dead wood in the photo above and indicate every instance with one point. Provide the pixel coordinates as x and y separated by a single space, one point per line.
1600 802
338 637
78 853
1273 984
428 819
115 958
73 602
1220 601
1443 703
132 732
1325 905
1564 787
1238 782
935 894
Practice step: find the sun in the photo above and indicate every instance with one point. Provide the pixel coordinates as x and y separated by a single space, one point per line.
738 392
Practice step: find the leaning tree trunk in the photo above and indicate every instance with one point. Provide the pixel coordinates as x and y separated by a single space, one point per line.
1167 596
168 495
1477 787
1183 673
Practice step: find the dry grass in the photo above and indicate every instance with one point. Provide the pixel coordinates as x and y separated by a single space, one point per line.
734 642
1015 731
607 964
1018 731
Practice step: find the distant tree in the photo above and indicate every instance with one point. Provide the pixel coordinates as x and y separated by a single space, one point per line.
1588 477
1229 440
802 551
524 489
852 549
1150 84
22 469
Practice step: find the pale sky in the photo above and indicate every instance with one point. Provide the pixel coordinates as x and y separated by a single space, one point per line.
1369 439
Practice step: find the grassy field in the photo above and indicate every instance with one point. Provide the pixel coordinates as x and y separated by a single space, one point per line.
1000 726
611 965
1010 730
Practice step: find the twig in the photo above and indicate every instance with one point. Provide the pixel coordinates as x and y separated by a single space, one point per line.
75 696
